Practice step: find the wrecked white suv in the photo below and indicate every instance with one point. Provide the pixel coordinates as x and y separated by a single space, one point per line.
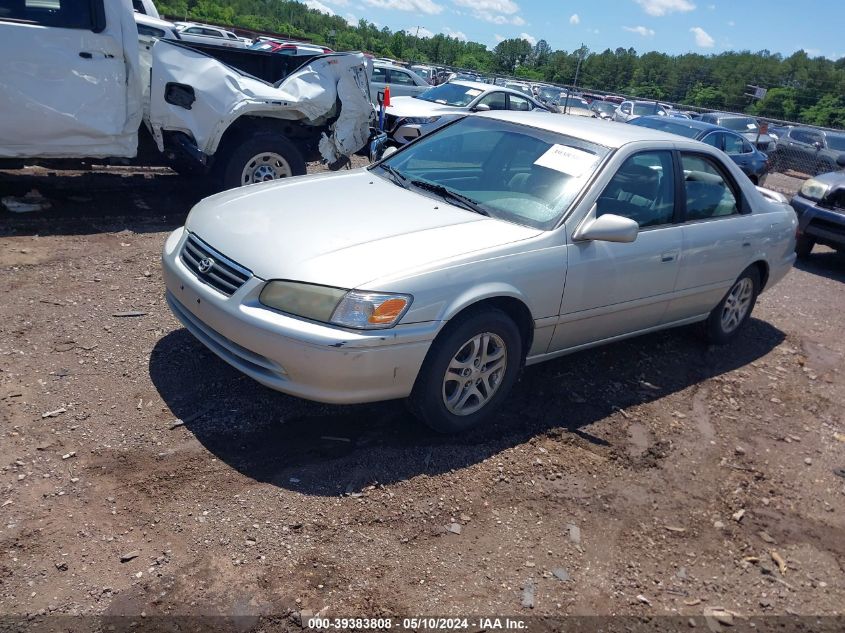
74 86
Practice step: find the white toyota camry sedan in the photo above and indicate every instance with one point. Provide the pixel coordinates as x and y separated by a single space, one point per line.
500 240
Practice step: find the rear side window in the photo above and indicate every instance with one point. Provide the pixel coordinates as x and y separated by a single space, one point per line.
380 75
66 14
709 194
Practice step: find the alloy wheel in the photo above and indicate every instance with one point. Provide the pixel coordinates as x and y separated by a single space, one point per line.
475 373
736 304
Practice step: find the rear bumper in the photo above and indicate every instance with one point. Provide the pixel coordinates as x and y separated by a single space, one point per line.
294 356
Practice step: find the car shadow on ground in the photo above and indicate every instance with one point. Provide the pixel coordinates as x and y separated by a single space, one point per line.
97 201
330 450
824 263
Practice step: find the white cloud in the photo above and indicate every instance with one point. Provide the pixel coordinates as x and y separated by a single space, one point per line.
528 38
499 38
458 35
351 20
318 6
640 30
575 19
338 3
702 37
662 7
419 32
428 7
493 11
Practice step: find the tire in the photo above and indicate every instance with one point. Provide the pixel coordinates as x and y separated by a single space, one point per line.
804 246
439 399
733 311
257 158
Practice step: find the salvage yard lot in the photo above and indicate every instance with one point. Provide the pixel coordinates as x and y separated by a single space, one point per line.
140 474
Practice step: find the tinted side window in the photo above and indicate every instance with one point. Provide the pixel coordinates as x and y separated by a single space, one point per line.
398 77
802 136
150 31
139 6
496 101
735 145
380 75
66 14
714 139
643 189
519 103
708 193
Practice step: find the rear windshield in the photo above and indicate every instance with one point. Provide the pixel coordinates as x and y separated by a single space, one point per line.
643 109
667 125
739 124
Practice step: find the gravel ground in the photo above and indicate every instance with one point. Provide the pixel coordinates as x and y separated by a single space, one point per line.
142 476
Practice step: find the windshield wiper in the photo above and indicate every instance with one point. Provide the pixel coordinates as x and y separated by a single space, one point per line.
397 177
447 194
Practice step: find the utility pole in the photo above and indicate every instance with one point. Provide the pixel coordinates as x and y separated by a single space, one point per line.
577 72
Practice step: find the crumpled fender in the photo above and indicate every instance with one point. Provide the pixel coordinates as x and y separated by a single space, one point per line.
223 95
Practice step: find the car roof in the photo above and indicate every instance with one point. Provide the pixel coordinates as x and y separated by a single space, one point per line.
142 18
690 123
609 134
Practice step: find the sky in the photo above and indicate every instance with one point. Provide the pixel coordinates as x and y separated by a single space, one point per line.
669 26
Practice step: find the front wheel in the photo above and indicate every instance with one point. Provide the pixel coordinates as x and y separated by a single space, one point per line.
469 370
733 310
259 158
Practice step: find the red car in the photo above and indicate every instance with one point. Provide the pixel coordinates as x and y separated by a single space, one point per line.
283 47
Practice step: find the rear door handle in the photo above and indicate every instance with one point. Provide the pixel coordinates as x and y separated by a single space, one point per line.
746 241
668 256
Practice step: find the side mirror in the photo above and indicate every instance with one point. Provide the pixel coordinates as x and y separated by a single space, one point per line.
481 107
818 145
841 161
608 228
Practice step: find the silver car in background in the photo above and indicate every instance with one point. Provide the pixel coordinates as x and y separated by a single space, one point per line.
408 118
630 110
501 240
402 82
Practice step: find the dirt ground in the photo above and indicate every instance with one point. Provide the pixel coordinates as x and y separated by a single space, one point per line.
142 476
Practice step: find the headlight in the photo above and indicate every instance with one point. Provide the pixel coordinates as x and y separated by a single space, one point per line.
338 306
421 120
814 189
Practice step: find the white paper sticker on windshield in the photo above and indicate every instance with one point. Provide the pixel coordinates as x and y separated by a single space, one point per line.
567 160
751 126
473 92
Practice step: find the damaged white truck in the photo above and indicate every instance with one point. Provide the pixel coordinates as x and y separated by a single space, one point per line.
74 85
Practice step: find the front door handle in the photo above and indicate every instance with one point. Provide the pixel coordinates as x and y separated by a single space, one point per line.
746 241
668 256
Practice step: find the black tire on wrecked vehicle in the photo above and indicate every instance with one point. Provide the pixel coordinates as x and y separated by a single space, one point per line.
804 246
257 158
735 308
468 371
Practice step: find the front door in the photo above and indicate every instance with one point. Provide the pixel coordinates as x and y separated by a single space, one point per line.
612 288
66 90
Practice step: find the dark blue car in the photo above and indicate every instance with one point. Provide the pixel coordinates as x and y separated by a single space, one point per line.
753 162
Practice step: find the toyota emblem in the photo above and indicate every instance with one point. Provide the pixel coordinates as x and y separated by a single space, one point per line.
206 264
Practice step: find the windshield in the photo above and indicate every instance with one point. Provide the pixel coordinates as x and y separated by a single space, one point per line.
450 94
511 172
836 143
739 124
643 109
667 125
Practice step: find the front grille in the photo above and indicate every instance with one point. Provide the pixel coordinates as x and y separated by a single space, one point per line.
213 268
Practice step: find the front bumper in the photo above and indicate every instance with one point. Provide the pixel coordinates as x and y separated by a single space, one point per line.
294 356
824 226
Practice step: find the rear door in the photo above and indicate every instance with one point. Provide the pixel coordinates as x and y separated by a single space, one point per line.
720 236
69 79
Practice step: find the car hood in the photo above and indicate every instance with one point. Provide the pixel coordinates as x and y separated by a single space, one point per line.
342 230
409 106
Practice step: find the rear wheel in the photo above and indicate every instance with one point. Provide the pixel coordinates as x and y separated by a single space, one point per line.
804 246
469 370
258 158
733 310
